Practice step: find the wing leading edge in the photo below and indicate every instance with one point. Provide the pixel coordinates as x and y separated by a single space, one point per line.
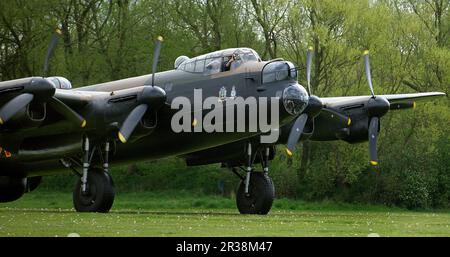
336 102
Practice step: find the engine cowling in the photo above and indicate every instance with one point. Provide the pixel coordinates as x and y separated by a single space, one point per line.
328 129
31 116
356 133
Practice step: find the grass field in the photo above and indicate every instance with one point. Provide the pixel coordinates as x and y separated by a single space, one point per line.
184 214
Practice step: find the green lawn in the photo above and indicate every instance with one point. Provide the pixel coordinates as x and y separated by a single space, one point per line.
184 214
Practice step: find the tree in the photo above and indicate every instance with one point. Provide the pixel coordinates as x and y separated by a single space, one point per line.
270 16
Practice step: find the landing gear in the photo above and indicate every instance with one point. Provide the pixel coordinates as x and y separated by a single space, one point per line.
11 188
94 191
99 194
260 197
33 183
256 191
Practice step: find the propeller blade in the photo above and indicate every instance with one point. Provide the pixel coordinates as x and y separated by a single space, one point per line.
14 105
373 135
338 117
368 75
295 133
51 48
308 68
400 106
67 112
156 52
131 122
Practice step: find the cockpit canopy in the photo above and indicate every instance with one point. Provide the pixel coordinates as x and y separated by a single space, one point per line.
217 61
180 60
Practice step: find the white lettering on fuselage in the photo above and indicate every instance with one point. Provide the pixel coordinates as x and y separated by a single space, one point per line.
214 121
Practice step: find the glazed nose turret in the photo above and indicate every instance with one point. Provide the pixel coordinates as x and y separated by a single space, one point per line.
295 99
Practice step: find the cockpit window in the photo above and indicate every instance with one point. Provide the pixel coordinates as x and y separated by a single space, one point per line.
190 66
213 65
219 61
199 65
238 57
248 57
275 71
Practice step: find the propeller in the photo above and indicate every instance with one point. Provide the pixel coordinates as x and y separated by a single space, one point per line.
314 107
67 112
156 52
50 49
14 105
403 105
151 98
309 55
376 107
131 122
338 117
295 133
35 89
54 102
41 90
368 75
373 135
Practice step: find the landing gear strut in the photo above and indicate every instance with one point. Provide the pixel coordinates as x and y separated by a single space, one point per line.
94 191
256 192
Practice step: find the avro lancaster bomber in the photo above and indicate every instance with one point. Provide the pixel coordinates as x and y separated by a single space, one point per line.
47 126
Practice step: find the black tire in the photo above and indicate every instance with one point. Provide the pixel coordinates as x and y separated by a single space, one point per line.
33 183
100 193
11 188
261 195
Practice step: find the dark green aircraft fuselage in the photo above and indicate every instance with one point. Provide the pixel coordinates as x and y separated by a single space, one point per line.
39 151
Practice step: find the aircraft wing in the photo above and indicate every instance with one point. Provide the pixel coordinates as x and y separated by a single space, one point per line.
357 118
33 106
337 102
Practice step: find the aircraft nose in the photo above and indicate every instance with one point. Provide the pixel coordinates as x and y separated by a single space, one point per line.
295 99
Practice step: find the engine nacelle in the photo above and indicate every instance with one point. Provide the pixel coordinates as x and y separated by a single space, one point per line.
356 133
60 82
145 127
31 116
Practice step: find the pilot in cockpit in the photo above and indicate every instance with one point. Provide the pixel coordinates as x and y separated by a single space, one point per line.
233 62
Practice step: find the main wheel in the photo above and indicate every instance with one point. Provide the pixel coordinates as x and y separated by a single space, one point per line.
99 196
261 193
33 183
11 188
